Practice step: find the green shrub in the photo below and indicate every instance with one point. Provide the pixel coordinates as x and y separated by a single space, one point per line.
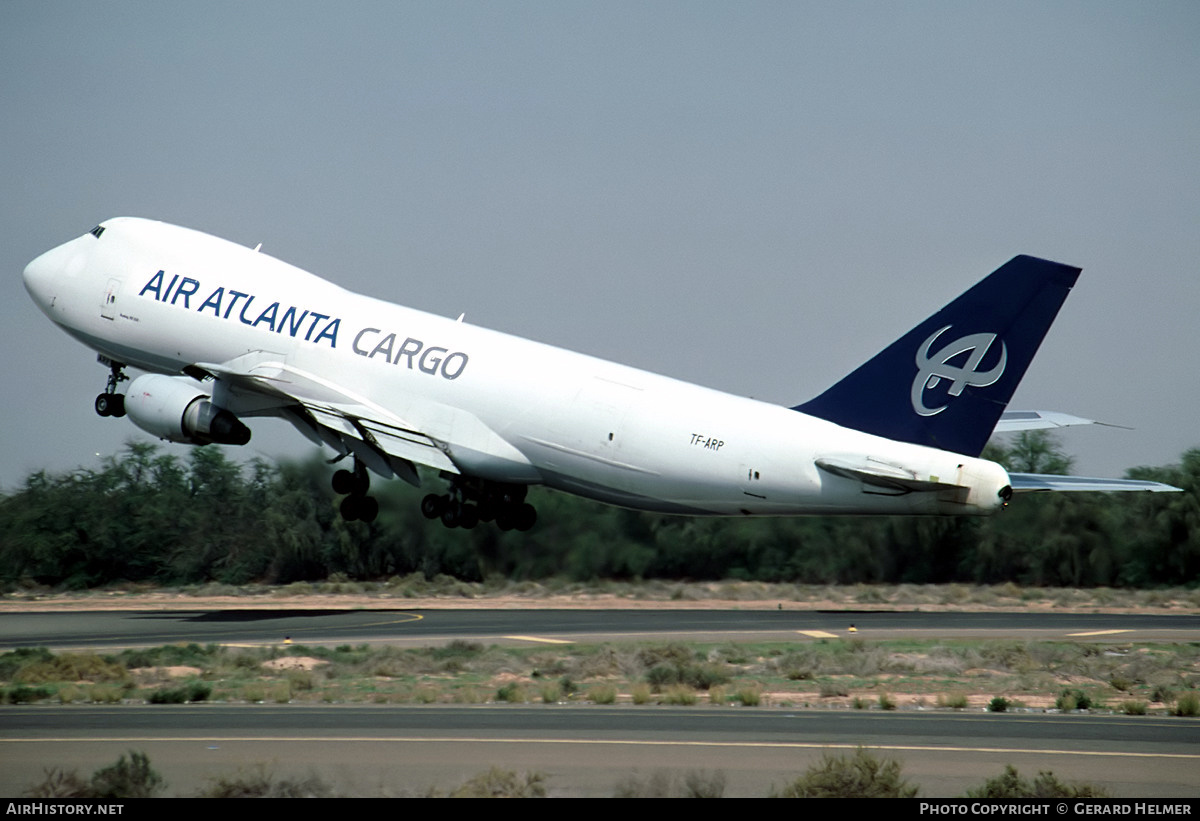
498 783
857 776
998 704
1010 784
511 692
1188 704
603 694
261 783
957 701
128 777
749 695
1069 700
189 692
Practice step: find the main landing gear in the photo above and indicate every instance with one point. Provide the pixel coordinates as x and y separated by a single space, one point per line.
357 505
470 502
111 403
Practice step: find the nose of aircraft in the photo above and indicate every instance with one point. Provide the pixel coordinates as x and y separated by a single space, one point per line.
38 279
44 274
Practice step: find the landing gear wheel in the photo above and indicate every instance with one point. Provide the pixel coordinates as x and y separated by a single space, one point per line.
526 517
360 508
433 505
355 484
343 482
368 508
111 403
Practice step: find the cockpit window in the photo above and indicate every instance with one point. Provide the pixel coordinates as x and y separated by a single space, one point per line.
97 231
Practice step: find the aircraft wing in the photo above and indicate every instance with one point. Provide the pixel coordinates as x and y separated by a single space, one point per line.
1030 482
259 383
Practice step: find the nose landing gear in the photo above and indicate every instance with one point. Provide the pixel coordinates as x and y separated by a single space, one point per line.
111 403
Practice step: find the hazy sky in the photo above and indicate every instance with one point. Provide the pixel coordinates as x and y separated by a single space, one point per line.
755 196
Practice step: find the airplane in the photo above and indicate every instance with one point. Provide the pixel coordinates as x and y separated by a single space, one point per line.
225 333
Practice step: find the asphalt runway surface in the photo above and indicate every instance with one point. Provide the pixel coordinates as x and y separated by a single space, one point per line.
583 749
100 629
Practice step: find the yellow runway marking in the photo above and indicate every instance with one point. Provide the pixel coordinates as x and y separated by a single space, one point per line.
817 634
539 640
1098 633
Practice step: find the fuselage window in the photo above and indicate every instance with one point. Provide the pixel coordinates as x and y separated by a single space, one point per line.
97 231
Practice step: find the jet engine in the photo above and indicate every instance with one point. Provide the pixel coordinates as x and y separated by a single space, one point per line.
179 409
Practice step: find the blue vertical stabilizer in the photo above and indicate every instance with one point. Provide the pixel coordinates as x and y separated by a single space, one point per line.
945 383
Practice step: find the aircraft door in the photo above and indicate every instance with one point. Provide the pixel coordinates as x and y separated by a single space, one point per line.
108 308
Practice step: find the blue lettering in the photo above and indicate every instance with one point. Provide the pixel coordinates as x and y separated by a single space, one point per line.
213 301
236 296
185 292
329 332
242 315
268 316
293 324
174 279
313 326
154 285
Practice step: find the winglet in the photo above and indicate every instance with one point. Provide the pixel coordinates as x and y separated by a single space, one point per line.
945 383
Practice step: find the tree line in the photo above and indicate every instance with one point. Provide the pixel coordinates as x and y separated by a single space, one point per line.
148 515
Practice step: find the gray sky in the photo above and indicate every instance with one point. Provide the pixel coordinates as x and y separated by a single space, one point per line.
755 196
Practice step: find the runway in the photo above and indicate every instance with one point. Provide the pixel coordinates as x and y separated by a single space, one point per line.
116 629
584 749
588 750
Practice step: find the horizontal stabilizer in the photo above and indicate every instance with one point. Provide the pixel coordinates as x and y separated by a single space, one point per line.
1028 482
1019 420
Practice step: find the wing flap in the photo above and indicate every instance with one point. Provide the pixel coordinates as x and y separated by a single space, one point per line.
260 382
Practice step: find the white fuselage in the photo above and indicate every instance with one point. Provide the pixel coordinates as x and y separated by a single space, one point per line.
163 298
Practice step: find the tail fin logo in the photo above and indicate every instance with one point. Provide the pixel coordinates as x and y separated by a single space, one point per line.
933 368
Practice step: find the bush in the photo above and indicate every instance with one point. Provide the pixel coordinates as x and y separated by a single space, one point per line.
603 694
128 778
999 704
1069 700
511 692
261 783
696 784
192 691
858 776
957 701
131 777
1187 705
498 783
1010 784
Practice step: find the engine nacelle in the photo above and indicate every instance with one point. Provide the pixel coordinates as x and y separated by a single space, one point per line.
178 409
